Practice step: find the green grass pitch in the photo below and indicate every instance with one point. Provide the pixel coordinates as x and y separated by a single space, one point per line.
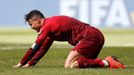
14 44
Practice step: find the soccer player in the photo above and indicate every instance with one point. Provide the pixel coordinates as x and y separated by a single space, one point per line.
87 41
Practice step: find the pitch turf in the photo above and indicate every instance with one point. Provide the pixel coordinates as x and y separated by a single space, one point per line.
13 45
52 63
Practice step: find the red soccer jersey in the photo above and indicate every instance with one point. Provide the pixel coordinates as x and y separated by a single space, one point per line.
62 28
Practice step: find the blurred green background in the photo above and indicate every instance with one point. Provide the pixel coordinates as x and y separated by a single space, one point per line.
113 36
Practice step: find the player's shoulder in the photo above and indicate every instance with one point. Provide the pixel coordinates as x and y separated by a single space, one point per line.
59 17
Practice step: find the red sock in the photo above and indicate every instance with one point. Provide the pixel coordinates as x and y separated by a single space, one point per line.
86 63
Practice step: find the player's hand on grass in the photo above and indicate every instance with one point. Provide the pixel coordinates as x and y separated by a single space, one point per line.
18 65
25 66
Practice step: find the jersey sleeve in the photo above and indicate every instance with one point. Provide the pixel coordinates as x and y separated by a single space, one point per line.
34 55
42 36
42 51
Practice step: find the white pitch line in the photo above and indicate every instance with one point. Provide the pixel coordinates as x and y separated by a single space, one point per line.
62 45
130 66
11 48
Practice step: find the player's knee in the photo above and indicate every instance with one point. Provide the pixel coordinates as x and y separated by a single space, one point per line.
66 65
74 65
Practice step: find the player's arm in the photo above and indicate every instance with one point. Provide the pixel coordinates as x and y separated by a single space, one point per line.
34 48
41 52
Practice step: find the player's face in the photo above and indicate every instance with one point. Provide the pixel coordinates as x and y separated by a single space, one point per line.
35 24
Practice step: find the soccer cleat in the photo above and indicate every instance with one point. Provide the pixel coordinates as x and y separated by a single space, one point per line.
114 63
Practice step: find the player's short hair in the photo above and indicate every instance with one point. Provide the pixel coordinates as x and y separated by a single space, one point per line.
34 13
